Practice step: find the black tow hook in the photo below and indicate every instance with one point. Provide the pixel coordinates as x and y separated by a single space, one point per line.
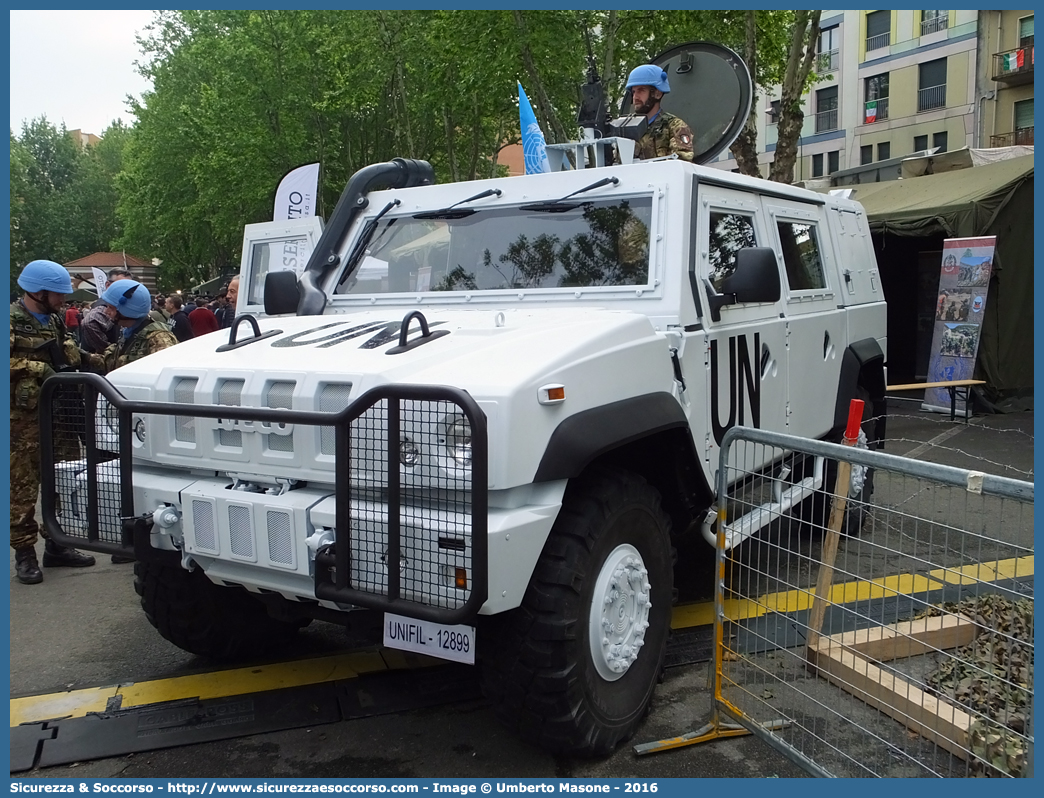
425 336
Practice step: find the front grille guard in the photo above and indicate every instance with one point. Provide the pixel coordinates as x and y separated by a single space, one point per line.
68 418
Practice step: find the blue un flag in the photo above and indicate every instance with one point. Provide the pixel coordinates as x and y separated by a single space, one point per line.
534 149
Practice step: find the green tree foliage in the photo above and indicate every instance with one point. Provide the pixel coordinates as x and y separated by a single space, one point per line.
63 198
240 97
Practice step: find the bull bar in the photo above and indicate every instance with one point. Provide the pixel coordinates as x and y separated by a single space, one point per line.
333 581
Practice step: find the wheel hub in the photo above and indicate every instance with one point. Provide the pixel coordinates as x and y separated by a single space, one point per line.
619 612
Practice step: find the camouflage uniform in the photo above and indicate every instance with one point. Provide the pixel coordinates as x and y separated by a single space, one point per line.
667 135
31 363
152 337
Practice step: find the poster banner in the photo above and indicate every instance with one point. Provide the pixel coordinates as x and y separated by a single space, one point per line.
964 281
100 280
296 195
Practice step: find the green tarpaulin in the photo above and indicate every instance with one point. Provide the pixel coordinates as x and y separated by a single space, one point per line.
996 199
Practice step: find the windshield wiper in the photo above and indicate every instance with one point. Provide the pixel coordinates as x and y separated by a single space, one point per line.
449 213
356 255
560 206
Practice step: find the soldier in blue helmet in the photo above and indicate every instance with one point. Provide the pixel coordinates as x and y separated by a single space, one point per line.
128 302
667 134
39 348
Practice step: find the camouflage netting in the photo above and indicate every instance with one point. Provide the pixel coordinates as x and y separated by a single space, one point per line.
993 678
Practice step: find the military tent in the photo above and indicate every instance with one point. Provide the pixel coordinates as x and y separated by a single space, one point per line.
909 219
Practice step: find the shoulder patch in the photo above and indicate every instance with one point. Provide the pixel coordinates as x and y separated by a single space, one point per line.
683 135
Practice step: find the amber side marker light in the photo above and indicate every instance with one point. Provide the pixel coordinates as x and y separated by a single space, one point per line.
460 578
551 394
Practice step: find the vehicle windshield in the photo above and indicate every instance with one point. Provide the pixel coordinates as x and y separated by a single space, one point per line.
596 243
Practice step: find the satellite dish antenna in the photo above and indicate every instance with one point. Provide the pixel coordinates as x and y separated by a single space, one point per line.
711 90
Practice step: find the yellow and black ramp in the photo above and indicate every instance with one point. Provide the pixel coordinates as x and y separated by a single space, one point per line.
105 722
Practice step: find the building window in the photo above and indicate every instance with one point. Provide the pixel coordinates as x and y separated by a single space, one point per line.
866 154
801 256
1024 114
934 21
939 141
878 29
931 85
773 112
876 92
1026 32
826 109
1023 133
829 49
1023 122
920 143
833 161
817 165
884 150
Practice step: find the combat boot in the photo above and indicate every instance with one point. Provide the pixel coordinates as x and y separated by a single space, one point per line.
27 569
56 556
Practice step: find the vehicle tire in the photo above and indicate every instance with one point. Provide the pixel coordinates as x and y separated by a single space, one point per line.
221 623
815 510
574 668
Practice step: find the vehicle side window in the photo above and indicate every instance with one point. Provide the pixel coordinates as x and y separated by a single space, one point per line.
729 233
801 255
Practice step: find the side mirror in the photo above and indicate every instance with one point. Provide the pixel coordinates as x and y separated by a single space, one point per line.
756 279
281 293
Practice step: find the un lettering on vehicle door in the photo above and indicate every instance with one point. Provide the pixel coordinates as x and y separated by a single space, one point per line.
747 359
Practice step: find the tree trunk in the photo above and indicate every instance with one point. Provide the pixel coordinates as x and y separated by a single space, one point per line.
612 27
476 136
544 107
497 147
405 108
745 148
454 175
791 116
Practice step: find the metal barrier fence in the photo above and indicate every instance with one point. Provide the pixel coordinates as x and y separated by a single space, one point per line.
907 650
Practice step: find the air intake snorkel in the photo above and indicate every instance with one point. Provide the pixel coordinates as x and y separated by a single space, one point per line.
397 173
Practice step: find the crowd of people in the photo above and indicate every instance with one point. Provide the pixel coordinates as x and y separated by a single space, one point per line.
89 325
125 324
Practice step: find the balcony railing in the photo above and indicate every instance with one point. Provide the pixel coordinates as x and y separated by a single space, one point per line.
878 41
934 24
826 120
931 97
881 110
1023 135
828 61
1014 66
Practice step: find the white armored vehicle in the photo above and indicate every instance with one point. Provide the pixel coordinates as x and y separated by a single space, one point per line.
491 411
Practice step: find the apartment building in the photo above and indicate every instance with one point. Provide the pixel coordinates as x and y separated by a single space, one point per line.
893 83
1004 79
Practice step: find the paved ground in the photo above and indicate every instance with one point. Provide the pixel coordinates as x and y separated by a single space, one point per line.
83 628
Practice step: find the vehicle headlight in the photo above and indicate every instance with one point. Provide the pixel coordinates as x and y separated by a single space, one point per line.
139 429
457 440
409 453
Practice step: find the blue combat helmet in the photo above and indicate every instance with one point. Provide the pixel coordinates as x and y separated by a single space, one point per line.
129 297
648 75
45 275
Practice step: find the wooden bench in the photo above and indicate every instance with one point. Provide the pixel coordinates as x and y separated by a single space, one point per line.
952 386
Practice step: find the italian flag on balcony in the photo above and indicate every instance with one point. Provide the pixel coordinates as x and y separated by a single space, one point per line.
871 111
1013 61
